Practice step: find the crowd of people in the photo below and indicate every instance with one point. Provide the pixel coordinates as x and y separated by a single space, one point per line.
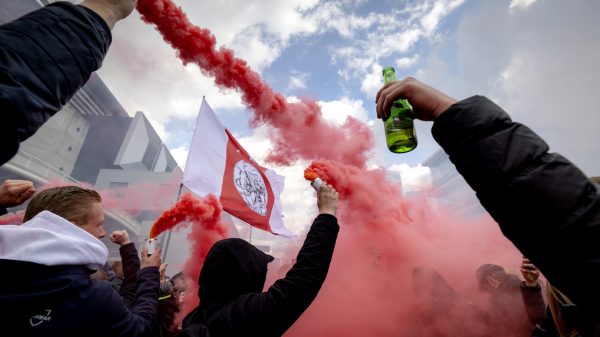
61 283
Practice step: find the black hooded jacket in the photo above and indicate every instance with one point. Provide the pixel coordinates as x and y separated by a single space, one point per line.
45 57
232 303
543 203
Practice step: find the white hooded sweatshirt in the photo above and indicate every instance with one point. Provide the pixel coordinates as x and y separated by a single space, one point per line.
51 240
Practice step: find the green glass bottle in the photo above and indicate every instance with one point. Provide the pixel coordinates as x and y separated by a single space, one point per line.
400 133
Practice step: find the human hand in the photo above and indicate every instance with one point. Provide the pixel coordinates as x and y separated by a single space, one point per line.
111 10
161 270
327 200
152 260
119 237
530 272
428 103
15 192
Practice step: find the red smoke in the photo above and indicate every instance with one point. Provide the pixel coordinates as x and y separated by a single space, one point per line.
383 236
12 218
205 218
197 45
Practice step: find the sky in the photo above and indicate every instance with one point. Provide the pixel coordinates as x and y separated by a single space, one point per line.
538 59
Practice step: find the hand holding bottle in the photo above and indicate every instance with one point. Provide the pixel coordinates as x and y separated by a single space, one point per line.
428 103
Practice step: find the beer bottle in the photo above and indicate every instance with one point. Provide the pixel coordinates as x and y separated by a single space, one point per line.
400 134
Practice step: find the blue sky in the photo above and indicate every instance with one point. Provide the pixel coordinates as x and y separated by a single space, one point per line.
536 58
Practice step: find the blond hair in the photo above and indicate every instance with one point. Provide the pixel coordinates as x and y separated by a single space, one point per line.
70 202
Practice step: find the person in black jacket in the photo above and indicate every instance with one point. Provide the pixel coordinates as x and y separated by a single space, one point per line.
50 258
514 307
167 304
45 57
232 279
543 203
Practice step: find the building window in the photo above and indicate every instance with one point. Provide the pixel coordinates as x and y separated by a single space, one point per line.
61 169
78 129
69 148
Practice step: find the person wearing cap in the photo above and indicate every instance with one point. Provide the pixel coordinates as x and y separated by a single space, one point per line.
514 307
232 301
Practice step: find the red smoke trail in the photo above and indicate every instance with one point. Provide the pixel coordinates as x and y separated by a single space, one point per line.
384 236
197 45
205 218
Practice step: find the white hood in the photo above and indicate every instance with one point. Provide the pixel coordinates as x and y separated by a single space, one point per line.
51 240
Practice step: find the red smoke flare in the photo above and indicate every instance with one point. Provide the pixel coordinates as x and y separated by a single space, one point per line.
309 175
197 45
205 218
189 210
383 236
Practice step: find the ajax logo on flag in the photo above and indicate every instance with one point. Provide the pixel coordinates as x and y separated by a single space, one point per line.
251 187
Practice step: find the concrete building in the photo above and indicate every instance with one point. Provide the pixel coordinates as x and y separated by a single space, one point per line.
449 189
94 140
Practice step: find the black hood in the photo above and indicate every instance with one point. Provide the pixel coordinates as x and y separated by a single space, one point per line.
233 267
30 282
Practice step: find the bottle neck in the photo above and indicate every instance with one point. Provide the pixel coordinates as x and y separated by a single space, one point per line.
389 77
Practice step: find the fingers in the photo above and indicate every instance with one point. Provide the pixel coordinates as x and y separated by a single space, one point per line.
15 192
117 236
144 252
379 98
20 186
390 93
26 195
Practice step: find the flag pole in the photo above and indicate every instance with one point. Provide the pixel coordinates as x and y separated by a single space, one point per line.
164 257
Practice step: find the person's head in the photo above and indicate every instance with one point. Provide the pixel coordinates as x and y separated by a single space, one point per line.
233 267
179 285
81 206
99 275
117 266
489 277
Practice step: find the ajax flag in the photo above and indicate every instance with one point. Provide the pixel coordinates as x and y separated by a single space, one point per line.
218 164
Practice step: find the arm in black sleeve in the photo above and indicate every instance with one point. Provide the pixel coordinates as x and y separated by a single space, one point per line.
274 311
3 211
45 57
543 203
139 320
131 267
534 303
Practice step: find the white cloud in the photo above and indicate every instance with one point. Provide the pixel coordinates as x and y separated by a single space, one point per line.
372 81
520 4
438 11
406 62
393 33
337 111
298 80
180 155
415 178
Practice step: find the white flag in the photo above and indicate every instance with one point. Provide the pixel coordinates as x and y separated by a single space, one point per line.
218 164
